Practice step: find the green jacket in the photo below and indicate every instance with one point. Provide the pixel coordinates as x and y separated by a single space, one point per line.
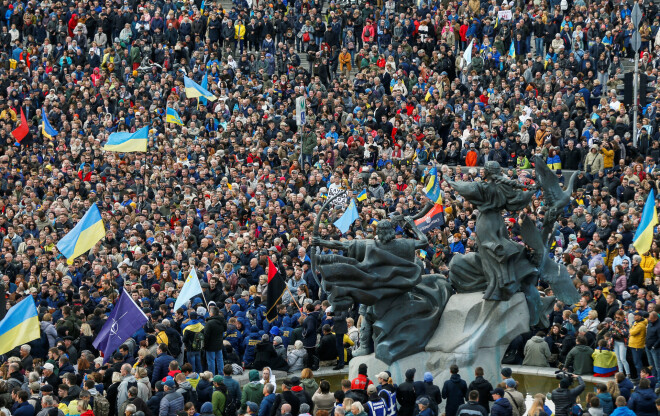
252 392
580 359
308 143
309 385
218 401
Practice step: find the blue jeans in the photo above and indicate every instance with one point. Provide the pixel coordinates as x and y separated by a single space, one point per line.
654 359
539 47
620 350
215 362
637 358
195 359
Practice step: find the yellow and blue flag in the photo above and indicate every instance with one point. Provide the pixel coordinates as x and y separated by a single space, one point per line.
512 50
83 236
46 129
20 325
128 142
429 94
423 253
190 288
348 218
644 235
432 189
194 90
205 85
362 196
171 116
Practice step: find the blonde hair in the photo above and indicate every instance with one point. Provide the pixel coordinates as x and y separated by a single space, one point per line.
537 407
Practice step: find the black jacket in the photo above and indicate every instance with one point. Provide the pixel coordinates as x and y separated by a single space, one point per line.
564 399
502 407
213 333
454 390
484 388
405 396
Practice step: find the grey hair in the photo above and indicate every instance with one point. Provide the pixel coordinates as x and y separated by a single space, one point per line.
131 408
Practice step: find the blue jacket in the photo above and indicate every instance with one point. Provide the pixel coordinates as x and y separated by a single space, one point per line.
161 367
23 409
606 402
622 411
267 404
502 407
626 387
642 402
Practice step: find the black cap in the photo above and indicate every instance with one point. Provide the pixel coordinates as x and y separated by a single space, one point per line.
498 390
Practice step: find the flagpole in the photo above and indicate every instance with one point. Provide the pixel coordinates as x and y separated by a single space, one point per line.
292 297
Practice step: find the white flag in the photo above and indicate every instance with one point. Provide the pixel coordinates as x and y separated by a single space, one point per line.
190 288
467 55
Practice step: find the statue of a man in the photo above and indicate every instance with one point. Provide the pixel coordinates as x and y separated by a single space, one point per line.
385 275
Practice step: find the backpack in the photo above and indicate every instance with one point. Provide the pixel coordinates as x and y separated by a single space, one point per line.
197 343
101 406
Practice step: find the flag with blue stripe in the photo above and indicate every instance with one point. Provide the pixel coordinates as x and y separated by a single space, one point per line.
128 142
644 235
46 129
432 188
171 116
83 236
194 90
20 325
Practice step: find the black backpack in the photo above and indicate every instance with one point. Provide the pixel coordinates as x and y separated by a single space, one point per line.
197 343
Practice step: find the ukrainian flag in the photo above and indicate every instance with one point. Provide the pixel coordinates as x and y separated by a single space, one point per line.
362 196
84 236
205 85
46 129
512 50
432 189
644 235
128 142
171 116
422 254
194 90
429 94
20 325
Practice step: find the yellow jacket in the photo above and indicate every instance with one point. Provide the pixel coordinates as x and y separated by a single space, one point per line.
608 157
8 114
161 338
648 263
239 32
638 334
344 60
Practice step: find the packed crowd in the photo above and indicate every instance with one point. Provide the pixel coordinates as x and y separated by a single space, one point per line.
392 88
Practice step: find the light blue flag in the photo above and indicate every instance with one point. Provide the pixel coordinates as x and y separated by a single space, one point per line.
205 85
349 217
190 289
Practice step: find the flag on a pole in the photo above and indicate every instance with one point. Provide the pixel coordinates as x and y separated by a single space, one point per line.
644 235
171 116
83 236
190 289
432 188
128 142
21 131
467 55
276 287
362 196
429 94
194 90
433 219
126 318
20 325
348 218
46 129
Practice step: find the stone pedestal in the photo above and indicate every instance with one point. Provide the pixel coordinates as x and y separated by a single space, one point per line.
473 332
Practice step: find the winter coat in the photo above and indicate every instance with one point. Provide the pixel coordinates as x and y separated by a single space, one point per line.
161 367
565 398
642 402
204 391
537 352
606 402
517 401
579 358
622 411
296 360
310 329
171 404
484 388
454 391
502 407
252 392
638 334
213 333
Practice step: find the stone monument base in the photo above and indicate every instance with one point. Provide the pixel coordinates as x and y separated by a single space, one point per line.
473 332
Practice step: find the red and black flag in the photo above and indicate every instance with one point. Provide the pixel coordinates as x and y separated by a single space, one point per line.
276 287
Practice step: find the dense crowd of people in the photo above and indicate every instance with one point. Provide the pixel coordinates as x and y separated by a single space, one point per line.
392 88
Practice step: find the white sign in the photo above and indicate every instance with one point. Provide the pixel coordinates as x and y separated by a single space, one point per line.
301 111
504 15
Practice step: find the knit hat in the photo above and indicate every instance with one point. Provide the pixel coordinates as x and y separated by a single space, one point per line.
253 375
207 408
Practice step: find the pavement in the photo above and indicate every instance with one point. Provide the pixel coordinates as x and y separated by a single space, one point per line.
550 372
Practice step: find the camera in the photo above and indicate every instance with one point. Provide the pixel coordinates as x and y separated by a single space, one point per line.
562 374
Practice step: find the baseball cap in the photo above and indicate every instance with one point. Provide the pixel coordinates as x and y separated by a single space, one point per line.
498 390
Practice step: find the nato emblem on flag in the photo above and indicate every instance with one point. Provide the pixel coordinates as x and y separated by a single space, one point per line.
124 320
